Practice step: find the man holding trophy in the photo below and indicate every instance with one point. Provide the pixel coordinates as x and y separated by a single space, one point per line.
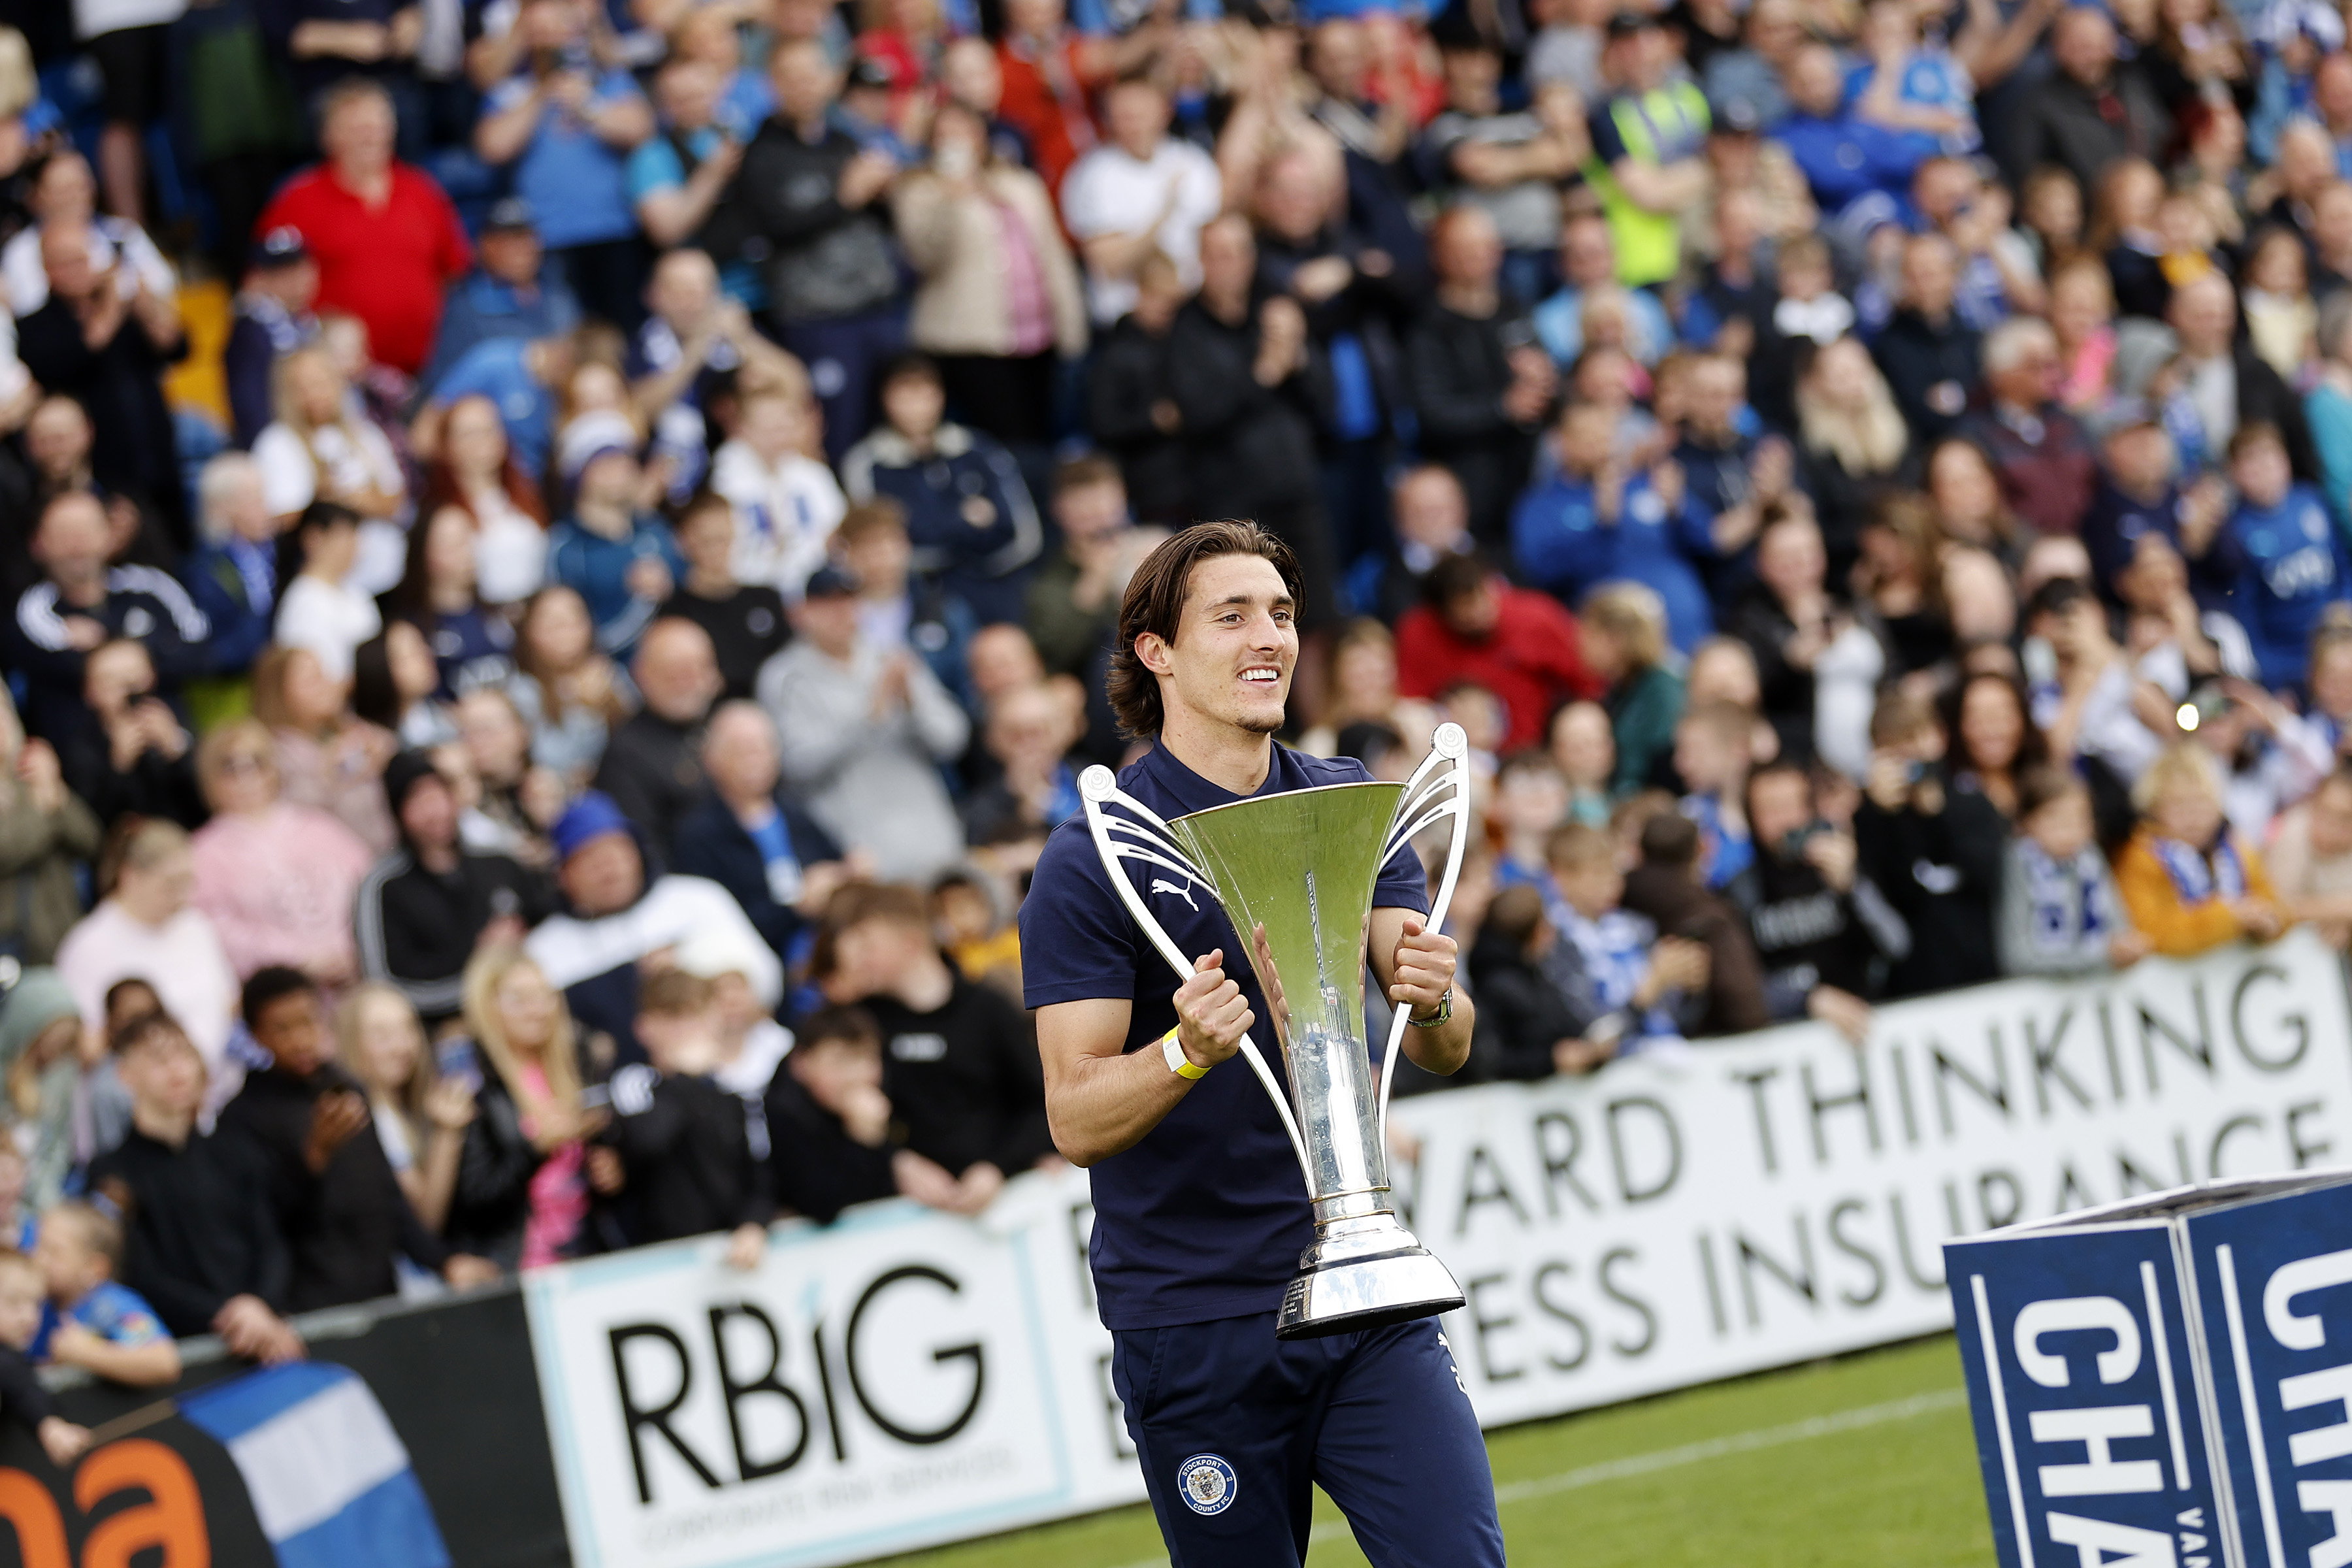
1270 1334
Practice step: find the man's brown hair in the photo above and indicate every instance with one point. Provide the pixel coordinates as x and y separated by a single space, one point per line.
1155 604
674 994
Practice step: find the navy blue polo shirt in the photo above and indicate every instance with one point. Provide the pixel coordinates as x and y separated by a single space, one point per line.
1206 1217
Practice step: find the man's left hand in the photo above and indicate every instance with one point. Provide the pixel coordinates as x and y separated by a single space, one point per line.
1422 971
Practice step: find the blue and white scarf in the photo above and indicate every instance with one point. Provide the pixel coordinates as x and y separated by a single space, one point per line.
2199 876
1615 952
2068 899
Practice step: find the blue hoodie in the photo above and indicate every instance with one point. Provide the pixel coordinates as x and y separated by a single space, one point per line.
1558 540
2294 568
1845 158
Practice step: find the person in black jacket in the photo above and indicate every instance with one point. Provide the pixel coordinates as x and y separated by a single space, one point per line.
328 1181
805 201
1130 409
203 1244
1824 932
829 1124
422 909
960 1060
1480 381
679 1140
651 767
1534 1035
745 836
1252 390
136 755
1935 852
1928 356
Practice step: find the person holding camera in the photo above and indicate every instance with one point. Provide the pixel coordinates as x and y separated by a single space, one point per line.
1934 851
1825 934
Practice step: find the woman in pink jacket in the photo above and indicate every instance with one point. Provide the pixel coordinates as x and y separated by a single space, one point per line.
278 879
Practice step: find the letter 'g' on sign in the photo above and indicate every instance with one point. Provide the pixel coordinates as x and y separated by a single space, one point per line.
2070 1314
2301 1331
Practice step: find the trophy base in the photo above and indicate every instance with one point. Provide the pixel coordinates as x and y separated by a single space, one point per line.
1349 1295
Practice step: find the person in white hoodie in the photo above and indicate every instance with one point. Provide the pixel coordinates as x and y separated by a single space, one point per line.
786 503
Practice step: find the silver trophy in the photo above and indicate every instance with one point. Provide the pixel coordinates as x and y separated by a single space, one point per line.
1295 873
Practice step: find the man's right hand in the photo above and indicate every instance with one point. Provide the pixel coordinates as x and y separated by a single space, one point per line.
1211 1014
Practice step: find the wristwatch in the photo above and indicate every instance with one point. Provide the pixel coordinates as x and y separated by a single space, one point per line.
1445 1013
1172 1051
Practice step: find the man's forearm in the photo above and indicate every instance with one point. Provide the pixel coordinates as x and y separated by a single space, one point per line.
1101 1106
1445 1049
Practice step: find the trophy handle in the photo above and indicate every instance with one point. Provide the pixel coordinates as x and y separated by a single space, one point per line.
1142 836
1425 803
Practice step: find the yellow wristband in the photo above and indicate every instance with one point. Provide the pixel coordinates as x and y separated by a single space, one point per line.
1180 1064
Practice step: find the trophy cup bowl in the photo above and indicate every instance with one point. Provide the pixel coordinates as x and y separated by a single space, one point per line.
1295 873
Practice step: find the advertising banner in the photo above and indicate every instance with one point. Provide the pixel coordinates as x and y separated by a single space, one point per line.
902 1378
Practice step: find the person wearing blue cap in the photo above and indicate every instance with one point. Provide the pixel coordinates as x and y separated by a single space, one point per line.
273 318
510 294
615 919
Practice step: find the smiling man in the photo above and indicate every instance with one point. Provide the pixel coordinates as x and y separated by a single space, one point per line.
1200 1211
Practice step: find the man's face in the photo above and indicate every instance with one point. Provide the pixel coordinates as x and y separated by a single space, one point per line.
511 255
1779 804
2262 471
677 672
293 1032
739 756
2083 43
604 876
1228 260
64 257
1292 200
164 1070
611 479
1815 84
1340 58
833 1070
1430 510
880 558
914 405
830 621
2331 819
804 82
2031 379
1928 276
1470 78
2204 315
359 136
1473 615
1138 118
428 816
1091 512
1593 887
115 675
1469 250
57 436
1713 393
1587 255
73 540
1236 643
687 92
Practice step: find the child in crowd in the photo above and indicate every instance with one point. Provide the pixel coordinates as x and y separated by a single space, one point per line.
1530 799
787 503
1713 744
2280 319
745 620
1623 633
2060 912
22 1398
1585 751
1534 1033
40 1033
2185 879
977 930
101 1105
831 1124
1810 305
1627 988
620 559
2295 562
684 1154
91 1319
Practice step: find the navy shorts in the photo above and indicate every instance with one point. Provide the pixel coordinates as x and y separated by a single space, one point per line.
1233 1428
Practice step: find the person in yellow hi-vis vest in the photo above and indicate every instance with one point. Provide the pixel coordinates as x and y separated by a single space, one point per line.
1648 141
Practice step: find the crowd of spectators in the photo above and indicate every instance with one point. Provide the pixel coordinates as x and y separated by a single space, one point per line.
558 558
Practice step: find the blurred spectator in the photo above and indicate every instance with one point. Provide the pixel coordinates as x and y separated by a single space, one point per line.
1593 522
232 575
1713 749
395 683
1823 929
677 175
1072 601
1623 636
959 1062
1141 191
897 610
2139 494
479 473
319 609
1528 1017
386 240
787 503
276 879
809 195
1130 409
2186 881
1810 653
1648 137
514 290
2059 914
47 839
317 449
2093 710
521 1199
2310 860
1251 391
2216 381
1929 355
420 1118
745 622
1627 988
520 378
80 603
326 758
1045 72
145 926
1474 625
2296 569
1481 383
831 1124
273 319
1588 264
1994 743
652 767
621 560
1431 523
1664 890
968 511
61 191
1935 852
696 347
422 911
1853 444
863 731
1030 732
470 643
107 350
617 915
780 866
2040 453
567 692
2089 111
203 1241
997 304
91 1319
684 1154
1507 165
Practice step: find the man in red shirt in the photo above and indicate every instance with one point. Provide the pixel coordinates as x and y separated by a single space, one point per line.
387 241
1473 626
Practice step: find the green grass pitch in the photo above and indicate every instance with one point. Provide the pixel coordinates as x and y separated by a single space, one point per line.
1863 1462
